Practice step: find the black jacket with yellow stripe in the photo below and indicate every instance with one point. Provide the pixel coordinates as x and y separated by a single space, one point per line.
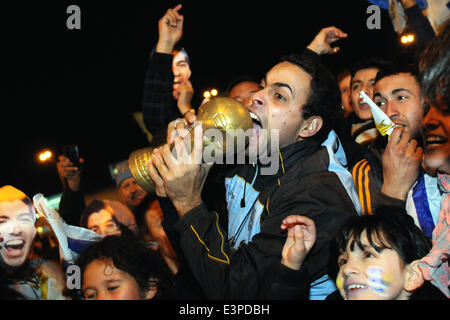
302 186
367 176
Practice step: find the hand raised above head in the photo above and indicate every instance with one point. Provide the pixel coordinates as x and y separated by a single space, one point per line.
170 28
68 172
66 168
321 43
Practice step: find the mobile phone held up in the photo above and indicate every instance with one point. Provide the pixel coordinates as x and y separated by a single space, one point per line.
71 151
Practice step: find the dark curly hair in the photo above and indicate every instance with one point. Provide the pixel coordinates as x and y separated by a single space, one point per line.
392 228
130 255
389 227
94 206
324 98
369 63
434 68
394 69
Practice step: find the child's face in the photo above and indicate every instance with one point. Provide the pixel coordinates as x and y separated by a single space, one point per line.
103 281
371 275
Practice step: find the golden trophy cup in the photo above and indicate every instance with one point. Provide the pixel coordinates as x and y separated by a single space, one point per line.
219 113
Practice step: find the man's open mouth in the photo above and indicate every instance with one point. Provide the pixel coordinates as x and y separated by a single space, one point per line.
256 122
14 245
14 249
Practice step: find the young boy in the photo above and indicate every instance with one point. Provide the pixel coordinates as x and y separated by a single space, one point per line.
378 257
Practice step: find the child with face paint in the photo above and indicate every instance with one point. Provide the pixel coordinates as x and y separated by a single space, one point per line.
379 258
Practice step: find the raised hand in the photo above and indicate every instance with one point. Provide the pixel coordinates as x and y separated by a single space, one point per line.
69 173
300 239
321 44
170 29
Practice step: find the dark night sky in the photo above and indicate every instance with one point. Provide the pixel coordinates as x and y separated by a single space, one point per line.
81 86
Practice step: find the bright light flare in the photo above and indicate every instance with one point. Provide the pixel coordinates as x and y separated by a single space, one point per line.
407 39
45 156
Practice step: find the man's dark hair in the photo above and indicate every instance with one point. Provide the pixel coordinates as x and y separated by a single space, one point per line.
130 255
324 98
94 206
369 63
180 48
434 68
235 81
392 70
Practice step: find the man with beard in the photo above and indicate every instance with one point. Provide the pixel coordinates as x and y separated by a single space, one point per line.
299 101
392 172
130 192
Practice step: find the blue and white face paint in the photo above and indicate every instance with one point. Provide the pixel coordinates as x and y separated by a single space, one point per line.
378 281
369 274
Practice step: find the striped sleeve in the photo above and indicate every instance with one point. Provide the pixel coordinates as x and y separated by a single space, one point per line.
363 180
